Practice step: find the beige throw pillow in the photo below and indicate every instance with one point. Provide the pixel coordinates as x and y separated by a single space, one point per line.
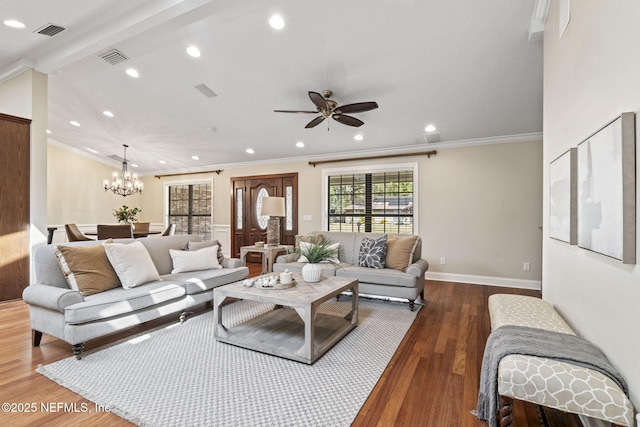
87 268
400 251
132 263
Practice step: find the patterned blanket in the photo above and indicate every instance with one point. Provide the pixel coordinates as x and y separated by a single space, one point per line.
508 340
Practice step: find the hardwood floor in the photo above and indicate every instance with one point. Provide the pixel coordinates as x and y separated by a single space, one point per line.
432 379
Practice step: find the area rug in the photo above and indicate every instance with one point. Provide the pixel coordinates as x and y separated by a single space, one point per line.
180 376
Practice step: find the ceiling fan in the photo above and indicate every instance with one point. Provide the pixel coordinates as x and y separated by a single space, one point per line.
330 108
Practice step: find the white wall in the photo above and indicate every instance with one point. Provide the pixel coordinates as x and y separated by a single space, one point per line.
591 75
480 207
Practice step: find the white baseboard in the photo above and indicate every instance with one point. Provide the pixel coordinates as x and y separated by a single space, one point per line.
485 280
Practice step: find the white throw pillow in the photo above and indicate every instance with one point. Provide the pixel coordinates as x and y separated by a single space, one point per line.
132 263
307 245
202 259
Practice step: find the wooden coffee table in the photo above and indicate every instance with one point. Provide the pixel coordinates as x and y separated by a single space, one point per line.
294 329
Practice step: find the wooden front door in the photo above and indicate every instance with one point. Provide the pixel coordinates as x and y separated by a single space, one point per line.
248 226
14 206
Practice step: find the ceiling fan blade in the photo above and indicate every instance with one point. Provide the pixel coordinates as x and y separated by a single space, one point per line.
358 107
295 111
319 100
315 122
348 120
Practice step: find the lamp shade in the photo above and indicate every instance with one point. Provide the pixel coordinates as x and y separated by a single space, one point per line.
272 206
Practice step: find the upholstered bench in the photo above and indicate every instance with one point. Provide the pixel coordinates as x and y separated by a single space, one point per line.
548 382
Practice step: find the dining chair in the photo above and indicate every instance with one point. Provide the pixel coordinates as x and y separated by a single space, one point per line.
74 234
141 229
120 231
170 231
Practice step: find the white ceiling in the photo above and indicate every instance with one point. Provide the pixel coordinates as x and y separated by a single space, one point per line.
466 66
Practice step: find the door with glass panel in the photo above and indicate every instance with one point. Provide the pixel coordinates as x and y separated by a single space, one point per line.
247 224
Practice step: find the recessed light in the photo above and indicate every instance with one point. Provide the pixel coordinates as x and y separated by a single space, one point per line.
250 150
195 157
276 22
48 131
132 72
13 23
92 150
162 162
358 137
107 113
135 165
430 128
193 51
74 123
300 144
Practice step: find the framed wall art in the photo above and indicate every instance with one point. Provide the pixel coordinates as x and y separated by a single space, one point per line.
563 197
606 190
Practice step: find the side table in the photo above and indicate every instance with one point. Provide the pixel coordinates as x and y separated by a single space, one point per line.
269 254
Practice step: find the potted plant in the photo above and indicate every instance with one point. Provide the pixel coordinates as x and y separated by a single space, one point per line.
316 253
126 215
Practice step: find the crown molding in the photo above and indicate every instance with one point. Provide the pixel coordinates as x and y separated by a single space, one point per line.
538 19
15 69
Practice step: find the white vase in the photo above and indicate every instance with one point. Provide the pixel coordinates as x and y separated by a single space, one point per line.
311 272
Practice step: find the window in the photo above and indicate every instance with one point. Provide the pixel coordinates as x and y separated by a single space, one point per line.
190 207
377 200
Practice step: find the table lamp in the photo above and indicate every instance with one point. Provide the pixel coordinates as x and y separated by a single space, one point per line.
274 208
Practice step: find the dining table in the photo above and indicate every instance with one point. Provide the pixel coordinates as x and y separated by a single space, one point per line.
136 235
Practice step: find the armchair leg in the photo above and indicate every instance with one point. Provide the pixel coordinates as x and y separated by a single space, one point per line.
77 350
36 336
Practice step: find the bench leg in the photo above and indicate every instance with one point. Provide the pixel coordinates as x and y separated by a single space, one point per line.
505 415
36 336
412 304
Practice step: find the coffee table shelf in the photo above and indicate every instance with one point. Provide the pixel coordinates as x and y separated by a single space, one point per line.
294 329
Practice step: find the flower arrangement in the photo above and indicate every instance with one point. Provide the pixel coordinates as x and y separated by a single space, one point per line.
126 215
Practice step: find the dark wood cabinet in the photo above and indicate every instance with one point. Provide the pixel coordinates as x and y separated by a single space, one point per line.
14 206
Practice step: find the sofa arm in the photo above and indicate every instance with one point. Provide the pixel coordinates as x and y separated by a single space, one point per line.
283 259
51 297
232 263
418 268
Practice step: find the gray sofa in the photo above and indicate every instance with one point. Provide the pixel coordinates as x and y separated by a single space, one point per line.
57 310
407 284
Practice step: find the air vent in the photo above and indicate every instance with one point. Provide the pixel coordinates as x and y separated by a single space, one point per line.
50 30
114 57
205 90
432 137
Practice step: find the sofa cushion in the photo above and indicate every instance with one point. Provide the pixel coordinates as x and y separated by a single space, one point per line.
400 251
383 276
196 282
132 263
195 246
87 268
202 259
373 252
119 301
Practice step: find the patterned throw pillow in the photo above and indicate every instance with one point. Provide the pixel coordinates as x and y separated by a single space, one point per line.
373 252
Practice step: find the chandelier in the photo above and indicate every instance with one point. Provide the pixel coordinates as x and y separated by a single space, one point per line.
123 183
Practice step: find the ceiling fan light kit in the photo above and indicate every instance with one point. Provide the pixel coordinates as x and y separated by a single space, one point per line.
327 107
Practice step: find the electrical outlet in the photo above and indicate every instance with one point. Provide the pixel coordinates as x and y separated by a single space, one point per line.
526 266
443 260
